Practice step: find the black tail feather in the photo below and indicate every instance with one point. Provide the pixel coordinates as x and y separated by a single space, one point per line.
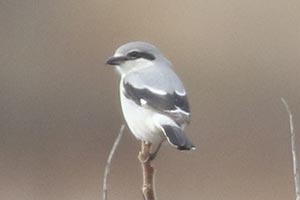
176 137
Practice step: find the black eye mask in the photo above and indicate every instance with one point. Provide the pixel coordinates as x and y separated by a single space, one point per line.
136 54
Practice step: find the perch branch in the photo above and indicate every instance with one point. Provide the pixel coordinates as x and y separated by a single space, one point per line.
108 163
293 149
148 172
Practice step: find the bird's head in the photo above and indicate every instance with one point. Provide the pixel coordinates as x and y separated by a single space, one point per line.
133 56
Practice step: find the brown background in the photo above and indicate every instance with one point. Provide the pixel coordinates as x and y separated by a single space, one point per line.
60 112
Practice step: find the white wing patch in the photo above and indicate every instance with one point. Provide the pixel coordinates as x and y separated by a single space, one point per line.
153 90
182 93
143 102
178 110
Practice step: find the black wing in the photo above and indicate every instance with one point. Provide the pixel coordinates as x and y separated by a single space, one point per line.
174 105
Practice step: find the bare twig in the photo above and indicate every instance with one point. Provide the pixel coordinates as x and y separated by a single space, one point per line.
108 163
295 163
148 172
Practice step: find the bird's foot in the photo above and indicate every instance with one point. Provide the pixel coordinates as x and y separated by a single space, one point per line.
153 155
150 157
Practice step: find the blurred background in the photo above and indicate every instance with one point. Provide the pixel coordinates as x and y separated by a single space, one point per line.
60 111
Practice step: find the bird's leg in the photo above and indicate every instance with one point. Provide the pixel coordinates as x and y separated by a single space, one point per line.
153 155
145 152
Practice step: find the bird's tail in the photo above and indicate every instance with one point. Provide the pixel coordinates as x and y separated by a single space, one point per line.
176 137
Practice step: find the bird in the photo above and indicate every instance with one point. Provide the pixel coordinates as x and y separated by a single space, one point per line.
153 99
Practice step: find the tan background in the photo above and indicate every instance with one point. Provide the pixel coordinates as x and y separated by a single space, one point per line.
60 113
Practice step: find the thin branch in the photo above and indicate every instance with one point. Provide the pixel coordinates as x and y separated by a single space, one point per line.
148 172
293 149
108 163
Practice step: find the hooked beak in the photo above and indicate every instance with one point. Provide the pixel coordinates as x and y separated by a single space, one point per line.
117 60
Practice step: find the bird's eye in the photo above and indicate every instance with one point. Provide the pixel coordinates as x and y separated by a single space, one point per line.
137 54
134 54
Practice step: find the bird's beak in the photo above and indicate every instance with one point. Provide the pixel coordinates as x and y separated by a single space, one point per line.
117 60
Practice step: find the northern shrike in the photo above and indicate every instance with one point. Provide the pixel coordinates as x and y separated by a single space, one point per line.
153 99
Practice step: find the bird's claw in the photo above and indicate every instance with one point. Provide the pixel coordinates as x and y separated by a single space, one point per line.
150 157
